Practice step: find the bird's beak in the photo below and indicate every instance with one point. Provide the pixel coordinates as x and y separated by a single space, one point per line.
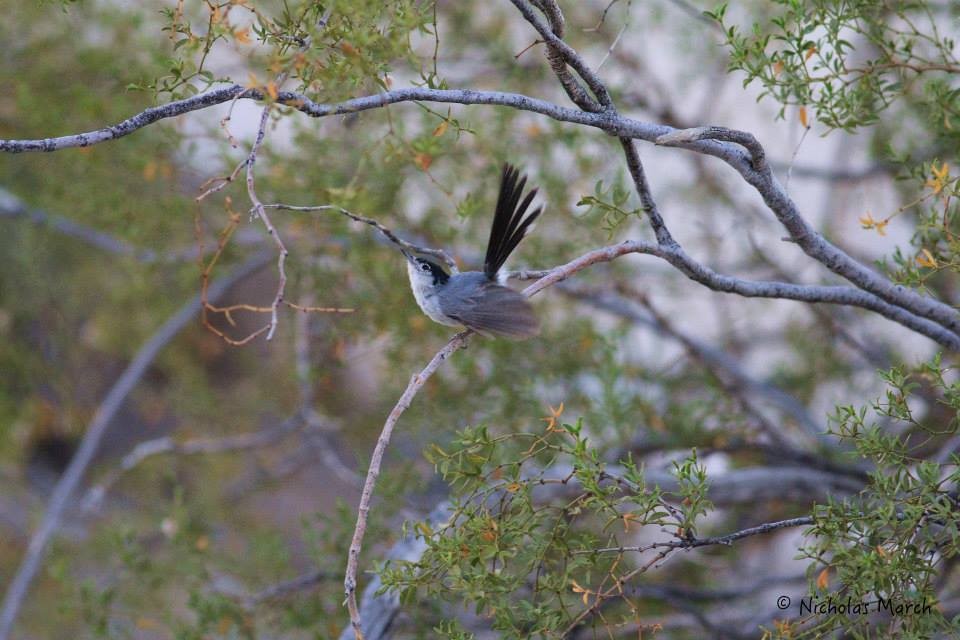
407 255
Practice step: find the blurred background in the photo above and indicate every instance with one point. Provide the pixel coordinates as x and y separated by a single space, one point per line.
267 442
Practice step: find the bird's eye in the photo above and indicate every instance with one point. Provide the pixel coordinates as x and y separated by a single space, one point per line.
424 267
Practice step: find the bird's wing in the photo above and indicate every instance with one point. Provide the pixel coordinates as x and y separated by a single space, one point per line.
509 223
496 310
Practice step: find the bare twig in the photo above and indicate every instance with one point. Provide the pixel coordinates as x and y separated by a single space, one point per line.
288 587
388 233
635 167
456 343
18 588
666 549
262 214
199 446
378 608
693 543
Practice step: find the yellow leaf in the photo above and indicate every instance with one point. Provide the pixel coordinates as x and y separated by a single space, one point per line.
252 81
926 259
513 487
578 589
551 420
810 52
224 626
943 172
272 90
777 67
941 175
867 222
349 49
803 117
146 624
242 35
823 580
440 130
150 171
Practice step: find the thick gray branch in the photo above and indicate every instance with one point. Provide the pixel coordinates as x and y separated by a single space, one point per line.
766 184
849 296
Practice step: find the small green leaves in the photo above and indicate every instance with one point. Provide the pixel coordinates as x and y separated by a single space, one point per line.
813 62
881 543
608 203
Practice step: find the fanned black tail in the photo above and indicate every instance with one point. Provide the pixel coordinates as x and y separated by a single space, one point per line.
509 223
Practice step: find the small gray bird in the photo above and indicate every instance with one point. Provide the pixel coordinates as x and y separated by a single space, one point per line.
479 300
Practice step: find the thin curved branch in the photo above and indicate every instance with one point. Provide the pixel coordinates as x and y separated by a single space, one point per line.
261 213
379 609
743 138
199 446
456 343
728 539
386 231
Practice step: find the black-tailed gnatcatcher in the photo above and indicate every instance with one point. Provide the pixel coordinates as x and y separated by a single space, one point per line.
479 300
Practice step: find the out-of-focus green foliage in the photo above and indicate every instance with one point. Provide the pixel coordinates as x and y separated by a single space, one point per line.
188 542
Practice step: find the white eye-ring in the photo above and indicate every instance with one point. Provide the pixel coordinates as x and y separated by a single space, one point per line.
424 267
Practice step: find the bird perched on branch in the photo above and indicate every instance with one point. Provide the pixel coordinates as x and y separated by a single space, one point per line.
479 300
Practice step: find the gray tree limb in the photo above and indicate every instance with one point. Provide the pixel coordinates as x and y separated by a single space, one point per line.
766 184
